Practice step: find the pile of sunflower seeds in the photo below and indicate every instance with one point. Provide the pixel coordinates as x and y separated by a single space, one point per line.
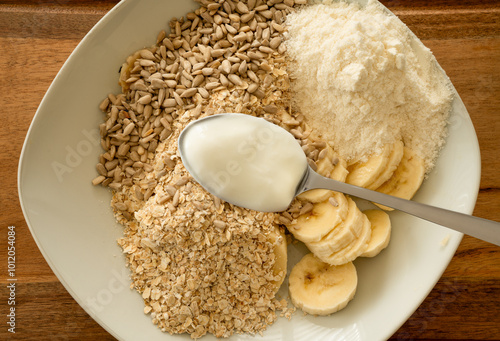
222 45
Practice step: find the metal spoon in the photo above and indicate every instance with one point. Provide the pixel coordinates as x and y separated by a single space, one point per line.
484 229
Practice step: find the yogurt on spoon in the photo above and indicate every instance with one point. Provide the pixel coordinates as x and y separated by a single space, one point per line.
244 160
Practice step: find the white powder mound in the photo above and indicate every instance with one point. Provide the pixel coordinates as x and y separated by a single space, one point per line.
362 80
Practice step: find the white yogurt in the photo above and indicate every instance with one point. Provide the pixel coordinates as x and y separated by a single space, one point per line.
244 160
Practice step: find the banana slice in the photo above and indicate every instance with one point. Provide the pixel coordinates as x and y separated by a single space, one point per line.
329 166
392 164
407 177
340 171
315 195
341 235
319 288
363 174
354 249
278 239
381 232
321 219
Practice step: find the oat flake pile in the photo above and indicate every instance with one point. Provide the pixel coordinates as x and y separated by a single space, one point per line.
202 265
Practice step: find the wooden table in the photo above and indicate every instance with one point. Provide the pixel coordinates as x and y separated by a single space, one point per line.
36 37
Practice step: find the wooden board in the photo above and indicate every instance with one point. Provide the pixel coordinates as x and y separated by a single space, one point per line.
36 37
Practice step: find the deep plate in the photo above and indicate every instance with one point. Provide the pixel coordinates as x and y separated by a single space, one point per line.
73 225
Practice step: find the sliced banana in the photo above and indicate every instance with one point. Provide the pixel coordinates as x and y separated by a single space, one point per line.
319 288
365 173
329 166
278 239
340 171
341 235
407 177
315 195
381 232
354 249
390 167
324 216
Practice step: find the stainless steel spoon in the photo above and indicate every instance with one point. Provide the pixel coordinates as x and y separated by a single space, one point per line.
484 229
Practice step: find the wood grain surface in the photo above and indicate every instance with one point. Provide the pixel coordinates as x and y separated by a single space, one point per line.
36 37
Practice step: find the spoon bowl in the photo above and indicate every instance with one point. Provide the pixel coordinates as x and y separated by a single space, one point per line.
244 160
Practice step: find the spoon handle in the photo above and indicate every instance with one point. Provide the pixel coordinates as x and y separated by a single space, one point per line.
484 229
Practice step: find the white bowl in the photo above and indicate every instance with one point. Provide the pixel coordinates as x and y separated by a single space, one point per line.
73 225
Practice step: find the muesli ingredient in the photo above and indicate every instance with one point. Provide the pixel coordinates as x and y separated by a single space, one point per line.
381 232
362 80
319 288
406 179
245 160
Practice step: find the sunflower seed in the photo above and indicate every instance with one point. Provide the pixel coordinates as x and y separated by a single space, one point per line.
241 8
110 165
101 169
217 53
98 180
275 43
306 208
171 190
235 79
175 199
225 66
203 92
252 88
189 92
115 185
247 17
169 102
128 129
148 193
182 181
312 164
162 199
284 220
270 108
333 202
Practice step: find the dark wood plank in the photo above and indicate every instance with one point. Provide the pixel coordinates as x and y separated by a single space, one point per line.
473 67
48 23
45 311
467 307
449 5
74 4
